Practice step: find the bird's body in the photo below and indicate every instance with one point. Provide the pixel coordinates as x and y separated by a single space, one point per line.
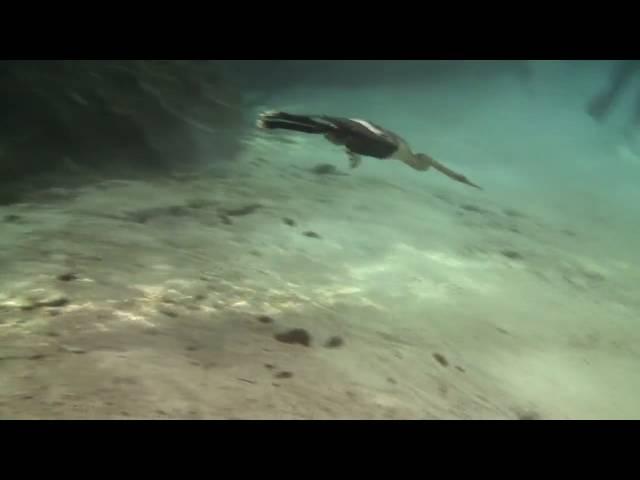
359 137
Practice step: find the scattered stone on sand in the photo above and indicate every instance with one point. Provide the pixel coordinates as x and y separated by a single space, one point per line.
473 208
512 254
334 342
144 215
192 348
392 380
296 336
284 375
198 203
441 359
41 299
269 366
326 169
225 219
11 218
289 221
527 415
311 234
502 330
71 349
265 319
460 369
168 313
52 334
238 212
67 277
200 297
510 212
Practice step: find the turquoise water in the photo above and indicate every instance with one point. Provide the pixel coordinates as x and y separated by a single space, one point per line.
269 280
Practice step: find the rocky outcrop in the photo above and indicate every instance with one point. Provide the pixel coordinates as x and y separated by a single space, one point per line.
113 117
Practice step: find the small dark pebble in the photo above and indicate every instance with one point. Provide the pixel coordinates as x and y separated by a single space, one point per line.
528 415
311 234
52 334
11 218
460 369
265 319
67 277
392 380
27 397
275 384
441 359
192 348
284 375
334 342
226 220
56 302
325 169
295 336
199 297
289 221
246 210
473 208
512 254
502 330
37 356
269 366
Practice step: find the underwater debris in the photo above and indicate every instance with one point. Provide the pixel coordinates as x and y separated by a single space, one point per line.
441 359
67 277
144 215
246 210
512 254
326 169
48 300
527 415
334 342
311 234
473 208
11 218
294 336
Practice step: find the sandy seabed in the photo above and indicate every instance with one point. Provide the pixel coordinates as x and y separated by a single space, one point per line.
177 299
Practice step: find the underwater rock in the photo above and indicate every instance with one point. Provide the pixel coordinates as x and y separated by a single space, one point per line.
284 375
297 336
311 234
334 342
265 319
67 277
246 210
441 359
289 221
527 415
11 218
40 299
326 169
512 254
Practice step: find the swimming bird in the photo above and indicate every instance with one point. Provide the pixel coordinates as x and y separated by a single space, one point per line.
359 137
